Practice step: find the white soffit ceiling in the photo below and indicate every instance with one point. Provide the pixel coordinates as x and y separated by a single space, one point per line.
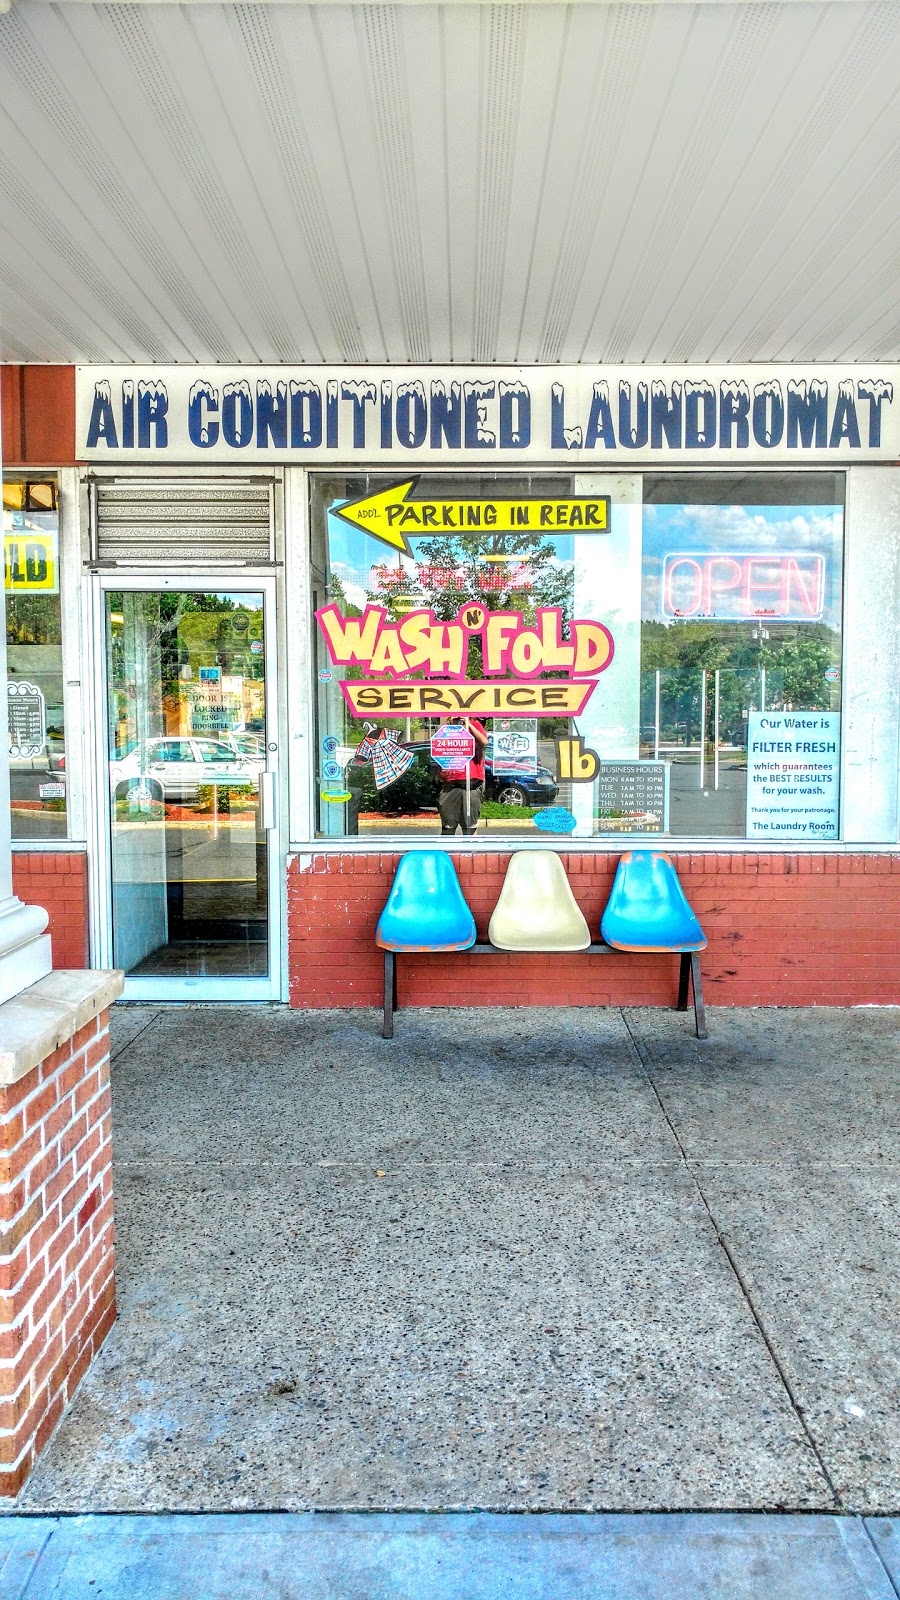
536 183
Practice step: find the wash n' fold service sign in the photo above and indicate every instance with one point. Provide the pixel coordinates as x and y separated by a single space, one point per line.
589 416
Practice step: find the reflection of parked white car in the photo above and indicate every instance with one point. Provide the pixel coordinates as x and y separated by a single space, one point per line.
248 746
182 765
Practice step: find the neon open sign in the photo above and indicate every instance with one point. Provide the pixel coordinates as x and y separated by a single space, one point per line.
736 586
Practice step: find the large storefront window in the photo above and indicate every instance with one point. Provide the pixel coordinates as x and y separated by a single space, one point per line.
35 716
500 655
741 651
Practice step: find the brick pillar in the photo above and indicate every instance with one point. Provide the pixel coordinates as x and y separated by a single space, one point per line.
57 1284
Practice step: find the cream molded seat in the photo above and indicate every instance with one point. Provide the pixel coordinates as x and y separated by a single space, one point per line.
537 909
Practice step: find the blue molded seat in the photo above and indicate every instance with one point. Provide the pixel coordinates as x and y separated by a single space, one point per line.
647 909
425 908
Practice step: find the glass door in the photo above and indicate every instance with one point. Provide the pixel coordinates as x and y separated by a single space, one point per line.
192 785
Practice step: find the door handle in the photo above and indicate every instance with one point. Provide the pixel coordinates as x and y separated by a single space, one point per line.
267 797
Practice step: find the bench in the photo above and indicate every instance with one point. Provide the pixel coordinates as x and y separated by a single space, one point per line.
426 913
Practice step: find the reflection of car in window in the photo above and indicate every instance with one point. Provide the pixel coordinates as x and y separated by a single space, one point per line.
183 765
417 789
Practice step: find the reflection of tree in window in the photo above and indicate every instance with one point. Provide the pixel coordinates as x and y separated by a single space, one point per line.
33 619
794 656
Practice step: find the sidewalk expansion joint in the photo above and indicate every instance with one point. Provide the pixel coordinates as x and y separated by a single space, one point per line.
115 1054
647 1068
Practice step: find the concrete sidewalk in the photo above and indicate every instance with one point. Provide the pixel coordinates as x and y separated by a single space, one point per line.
353 1556
514 1260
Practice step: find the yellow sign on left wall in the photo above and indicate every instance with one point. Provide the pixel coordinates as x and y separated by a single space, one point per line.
30 561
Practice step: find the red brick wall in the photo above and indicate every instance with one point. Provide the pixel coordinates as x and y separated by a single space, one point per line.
57 880
57 1286
785 930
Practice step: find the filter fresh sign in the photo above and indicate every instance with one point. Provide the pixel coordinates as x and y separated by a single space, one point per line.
793 767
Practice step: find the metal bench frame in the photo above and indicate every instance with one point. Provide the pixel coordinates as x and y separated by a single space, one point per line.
689 973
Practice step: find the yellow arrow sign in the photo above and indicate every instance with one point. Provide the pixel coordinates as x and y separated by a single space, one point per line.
390 515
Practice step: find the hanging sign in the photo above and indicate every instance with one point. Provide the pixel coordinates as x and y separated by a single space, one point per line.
727 586
512 650
793 774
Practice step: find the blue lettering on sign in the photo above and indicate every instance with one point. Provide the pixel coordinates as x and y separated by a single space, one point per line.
663 416
331 414
446 415
360 395
237 414
633 430
128 414
876 391
271 415
600 428
306 416
515 416
203 415
699 416
478 435
845 425
734 415
807 414
412 414
102 425
768 414
152 405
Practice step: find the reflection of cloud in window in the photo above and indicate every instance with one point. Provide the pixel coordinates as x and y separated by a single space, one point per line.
761 527
350 581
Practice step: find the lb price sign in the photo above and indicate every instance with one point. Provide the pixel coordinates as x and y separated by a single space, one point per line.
452 746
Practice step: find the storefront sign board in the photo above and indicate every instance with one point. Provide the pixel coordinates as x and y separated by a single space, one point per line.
793 773
592 416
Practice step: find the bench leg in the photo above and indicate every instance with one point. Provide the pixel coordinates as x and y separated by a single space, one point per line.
684 973
697 986
390 994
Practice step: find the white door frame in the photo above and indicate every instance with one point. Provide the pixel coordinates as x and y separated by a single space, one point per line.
177 987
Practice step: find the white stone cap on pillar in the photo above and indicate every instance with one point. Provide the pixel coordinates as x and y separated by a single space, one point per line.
39 1019
25 954
19 924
